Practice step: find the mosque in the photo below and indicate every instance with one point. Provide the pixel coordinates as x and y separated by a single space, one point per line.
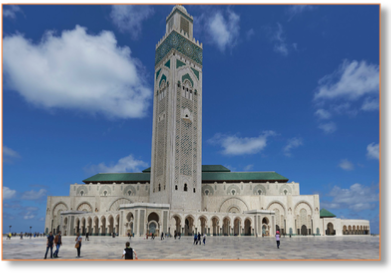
178 193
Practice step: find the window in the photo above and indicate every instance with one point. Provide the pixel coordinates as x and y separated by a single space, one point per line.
193 190
105 193
233 192
129 192
159 187
259 192
285 191
185 188
206 192
176 187
81 193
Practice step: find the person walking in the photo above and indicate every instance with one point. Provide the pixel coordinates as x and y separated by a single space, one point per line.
204 238
199 238
162 236
175 235
195 238
87 236
128 252
78 244
58 243
49 244
278 239
179 235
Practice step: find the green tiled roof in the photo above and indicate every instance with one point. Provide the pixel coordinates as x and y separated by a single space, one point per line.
119 177
243 176
147 170
326 214
214 168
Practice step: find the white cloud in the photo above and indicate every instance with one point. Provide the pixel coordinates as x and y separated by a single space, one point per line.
11 10
250 33
248 167
297 9
8 193
346 165
323 114
77 71
292 143
373 151
126 164
9 155
370 104
351 80
278 37
234 145
128 18
28 216
223 30
357 198
328 127
34 195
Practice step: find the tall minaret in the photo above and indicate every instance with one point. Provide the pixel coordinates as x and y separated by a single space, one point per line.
177 116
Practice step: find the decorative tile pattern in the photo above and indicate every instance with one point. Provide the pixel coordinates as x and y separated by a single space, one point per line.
181 44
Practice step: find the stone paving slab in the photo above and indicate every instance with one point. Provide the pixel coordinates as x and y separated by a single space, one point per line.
345 248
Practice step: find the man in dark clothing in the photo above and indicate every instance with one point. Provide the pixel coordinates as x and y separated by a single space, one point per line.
195 238
87 234
49 244
58 243
128 252
199 238
175 234
162 236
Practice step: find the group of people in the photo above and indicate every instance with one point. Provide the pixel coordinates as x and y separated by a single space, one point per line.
177 234
21 234
197 238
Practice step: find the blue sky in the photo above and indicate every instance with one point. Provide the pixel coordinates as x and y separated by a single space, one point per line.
291 89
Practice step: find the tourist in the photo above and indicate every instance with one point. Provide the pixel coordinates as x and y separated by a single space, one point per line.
162 236
204 238
195 238
199 238
78 244
128 252
278 239
87 234
175 234
113 235
129 236
49 244
58 243
179 235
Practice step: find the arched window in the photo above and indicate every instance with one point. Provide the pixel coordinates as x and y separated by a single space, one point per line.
206 192
81 193
233 192
194 190
285 191
185 188
105 193
129 192
259 192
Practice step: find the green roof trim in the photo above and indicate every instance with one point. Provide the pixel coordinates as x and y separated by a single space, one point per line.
214 168
119 177
243 176
157 73
163 78
326 214
146 170
167 64
179 63
197 73
187 76
176 41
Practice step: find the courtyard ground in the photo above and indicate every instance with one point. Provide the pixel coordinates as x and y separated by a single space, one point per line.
332 247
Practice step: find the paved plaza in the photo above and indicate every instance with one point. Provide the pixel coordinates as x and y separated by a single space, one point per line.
347 247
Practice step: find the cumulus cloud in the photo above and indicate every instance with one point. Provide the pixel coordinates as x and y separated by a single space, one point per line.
292 143
129 18
322 114
234 145
9 155
373 151
126 164
34 195
370 104
346 164
28 216
357 197
8 193
328 127
222 28
351 80
10 11
77 71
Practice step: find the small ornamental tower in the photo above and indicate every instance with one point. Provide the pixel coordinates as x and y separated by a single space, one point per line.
177 116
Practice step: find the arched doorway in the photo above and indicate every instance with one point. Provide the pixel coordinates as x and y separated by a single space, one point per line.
177 224
203 225
96 226
103 226
304 230
247 227
215 223
153 223
265 227
345 230
330 229
189 226
226 228
236 227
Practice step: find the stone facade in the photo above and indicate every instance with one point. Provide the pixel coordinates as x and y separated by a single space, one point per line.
175 196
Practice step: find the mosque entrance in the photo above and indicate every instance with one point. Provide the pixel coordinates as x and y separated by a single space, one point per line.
330 229
304 230
152 228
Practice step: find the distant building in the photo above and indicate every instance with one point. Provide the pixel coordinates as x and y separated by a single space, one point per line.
178 193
